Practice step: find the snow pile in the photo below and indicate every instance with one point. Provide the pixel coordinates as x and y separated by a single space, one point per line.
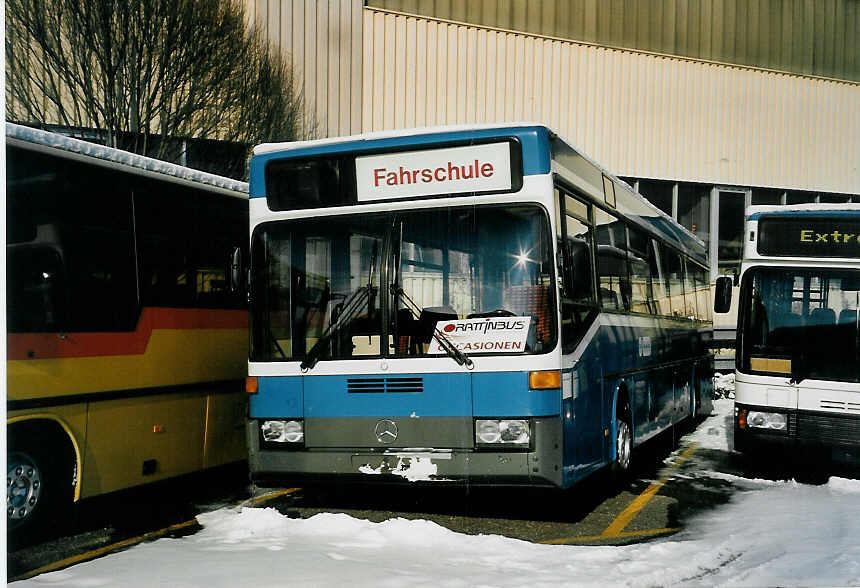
713 432
772 534
724 385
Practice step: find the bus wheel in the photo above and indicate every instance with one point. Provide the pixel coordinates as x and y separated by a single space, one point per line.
23 489
623 447
38 493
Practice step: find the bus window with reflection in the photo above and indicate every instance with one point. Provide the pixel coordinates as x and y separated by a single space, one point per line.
613 280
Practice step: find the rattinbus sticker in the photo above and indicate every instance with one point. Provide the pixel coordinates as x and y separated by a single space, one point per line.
484 335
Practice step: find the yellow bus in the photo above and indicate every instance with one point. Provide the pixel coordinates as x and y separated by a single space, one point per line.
126 322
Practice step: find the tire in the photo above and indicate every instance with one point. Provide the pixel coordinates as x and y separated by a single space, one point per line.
620 468
623 447
39 491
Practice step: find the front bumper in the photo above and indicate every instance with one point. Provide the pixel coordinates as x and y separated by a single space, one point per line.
805 429
540 466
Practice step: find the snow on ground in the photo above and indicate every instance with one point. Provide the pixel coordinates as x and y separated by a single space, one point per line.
771 534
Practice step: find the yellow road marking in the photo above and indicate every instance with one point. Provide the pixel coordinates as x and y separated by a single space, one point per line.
627 515
622 535
94 553
616 529
270 496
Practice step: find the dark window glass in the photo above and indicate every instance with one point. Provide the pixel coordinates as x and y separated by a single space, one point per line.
801 323
293 184
185 238
835 198
694 209
766 196
797 197
75 222
730 244
658 193
34 289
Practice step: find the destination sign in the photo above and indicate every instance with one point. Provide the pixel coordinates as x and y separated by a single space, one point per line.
470 169
809 237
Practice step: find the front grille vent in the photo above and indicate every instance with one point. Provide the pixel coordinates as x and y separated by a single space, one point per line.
829 429
840 405
384 385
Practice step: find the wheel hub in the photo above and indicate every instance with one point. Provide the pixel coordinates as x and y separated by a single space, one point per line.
23 487
623 445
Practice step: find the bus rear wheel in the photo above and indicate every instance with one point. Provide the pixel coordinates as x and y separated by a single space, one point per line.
39 493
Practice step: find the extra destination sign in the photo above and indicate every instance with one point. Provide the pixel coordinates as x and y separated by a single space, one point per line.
811 237
485 335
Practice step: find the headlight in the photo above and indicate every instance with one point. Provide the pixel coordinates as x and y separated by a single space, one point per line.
282 431
766 420
513 432
487 432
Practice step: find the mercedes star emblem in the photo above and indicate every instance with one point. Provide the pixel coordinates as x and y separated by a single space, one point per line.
386 431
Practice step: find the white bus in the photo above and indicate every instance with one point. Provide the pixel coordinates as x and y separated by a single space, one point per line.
798 335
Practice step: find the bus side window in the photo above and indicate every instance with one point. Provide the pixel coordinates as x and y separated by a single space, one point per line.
703 293
661 294
577 300
613 280
689 290
673 267
642 294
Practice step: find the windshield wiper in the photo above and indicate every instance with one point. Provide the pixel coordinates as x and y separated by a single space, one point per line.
351 306
444 342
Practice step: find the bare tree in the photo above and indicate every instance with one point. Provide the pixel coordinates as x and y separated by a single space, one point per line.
138 71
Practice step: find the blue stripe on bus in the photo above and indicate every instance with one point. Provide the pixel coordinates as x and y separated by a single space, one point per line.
507 394
277 397
503 394
534 141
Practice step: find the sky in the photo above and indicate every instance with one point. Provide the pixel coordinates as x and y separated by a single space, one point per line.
771 533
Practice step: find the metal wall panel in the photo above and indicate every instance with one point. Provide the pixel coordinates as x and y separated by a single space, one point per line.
638 114
813 37
323 40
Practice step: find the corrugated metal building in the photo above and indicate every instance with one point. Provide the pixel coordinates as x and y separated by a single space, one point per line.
705 106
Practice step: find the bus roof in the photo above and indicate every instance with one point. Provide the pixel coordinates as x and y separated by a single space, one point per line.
30 138
803 210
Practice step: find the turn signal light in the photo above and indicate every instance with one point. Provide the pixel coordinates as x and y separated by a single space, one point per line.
252 385
742 419
545 380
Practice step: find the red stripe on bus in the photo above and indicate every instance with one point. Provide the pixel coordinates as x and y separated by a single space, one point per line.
63 345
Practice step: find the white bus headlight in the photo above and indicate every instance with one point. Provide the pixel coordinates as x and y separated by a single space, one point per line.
766 420
282 431
487 432
511 432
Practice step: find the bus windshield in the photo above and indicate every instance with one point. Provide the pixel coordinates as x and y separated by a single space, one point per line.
801 322
346 284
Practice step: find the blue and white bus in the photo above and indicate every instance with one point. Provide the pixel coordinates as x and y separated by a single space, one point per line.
479 305
797 377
